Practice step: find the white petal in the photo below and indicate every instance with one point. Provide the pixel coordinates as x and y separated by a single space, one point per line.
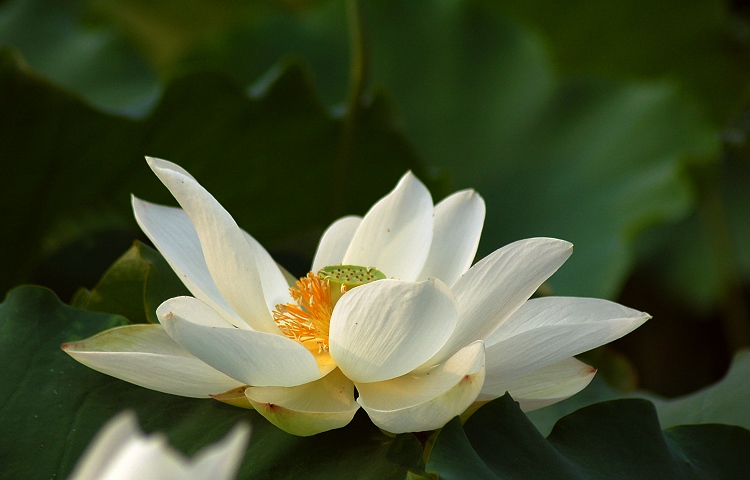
458 226
547 330
541 387
147 458
121 452
135 456
173 234
335 241
112 438
272 278
221 460
498 285
253 358
229 257
195 310
427 400
396 233
387 328
145 355
307 409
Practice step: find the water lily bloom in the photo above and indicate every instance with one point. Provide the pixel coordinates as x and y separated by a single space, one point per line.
121 452
392 309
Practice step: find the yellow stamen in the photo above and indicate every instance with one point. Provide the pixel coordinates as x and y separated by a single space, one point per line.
308 320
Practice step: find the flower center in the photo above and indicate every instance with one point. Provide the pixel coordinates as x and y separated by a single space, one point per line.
308 319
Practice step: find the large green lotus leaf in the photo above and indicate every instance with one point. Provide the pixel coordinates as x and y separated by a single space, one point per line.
724 402
592 162
620 439
166 33
38 400
239 39
597 391
274 159
133 287
95 62
104 50
620 39
52 406
699 45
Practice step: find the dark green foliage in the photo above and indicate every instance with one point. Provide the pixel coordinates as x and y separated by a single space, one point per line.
269 159
619 439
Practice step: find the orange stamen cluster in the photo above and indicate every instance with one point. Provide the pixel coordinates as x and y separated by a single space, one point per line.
309 319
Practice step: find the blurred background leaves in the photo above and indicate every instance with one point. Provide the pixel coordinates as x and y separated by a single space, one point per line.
619 126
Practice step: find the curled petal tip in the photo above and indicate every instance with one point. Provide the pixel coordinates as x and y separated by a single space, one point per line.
235 397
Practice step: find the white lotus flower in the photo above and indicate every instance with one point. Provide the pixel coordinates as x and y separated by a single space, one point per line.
121 452
390 308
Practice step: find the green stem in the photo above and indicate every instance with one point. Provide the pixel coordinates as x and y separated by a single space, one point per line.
358 78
